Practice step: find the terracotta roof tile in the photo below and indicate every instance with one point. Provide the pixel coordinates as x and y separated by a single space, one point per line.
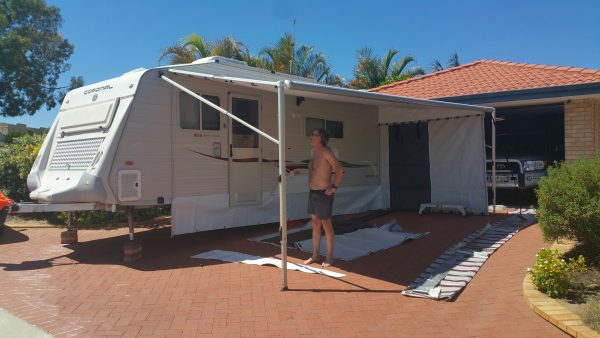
489 76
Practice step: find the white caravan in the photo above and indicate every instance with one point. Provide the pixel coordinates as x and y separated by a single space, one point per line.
140 140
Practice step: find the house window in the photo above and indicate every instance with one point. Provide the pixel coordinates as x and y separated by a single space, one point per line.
197 115
335 129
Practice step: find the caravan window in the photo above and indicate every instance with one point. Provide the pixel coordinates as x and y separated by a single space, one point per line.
196 115
312 124
211 116
335 129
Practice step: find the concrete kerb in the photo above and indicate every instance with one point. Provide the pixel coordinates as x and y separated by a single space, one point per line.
553 311
32 226
16 327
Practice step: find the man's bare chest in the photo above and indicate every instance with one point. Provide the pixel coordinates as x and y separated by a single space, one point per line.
318 162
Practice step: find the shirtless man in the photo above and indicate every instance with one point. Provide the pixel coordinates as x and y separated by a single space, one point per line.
320 198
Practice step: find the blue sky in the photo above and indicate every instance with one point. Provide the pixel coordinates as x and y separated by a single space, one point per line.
112 37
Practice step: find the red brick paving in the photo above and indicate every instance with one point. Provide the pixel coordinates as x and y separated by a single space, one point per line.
86 289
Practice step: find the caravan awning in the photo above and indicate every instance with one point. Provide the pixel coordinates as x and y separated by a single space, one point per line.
392 109
468 171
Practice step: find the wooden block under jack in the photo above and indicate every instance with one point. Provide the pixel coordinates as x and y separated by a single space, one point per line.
68 237
132 251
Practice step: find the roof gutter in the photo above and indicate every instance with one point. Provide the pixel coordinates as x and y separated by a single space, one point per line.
526 94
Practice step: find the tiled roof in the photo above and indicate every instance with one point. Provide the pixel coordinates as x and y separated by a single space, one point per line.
488 76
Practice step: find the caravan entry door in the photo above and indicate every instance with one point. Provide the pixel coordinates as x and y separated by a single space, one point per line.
244 153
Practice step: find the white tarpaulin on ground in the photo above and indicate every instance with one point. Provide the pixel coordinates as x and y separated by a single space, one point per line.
361 242
238 257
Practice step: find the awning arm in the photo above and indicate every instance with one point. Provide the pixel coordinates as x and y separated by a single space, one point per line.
224 78
228 114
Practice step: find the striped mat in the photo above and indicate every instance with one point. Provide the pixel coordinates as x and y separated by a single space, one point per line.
455 268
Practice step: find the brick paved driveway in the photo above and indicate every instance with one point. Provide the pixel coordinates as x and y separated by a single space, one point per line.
86 289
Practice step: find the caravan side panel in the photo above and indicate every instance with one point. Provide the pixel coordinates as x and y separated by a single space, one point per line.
200 156
145 146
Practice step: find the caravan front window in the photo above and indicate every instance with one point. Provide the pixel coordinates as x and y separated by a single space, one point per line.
196 115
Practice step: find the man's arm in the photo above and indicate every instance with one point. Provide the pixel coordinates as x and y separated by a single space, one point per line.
338 169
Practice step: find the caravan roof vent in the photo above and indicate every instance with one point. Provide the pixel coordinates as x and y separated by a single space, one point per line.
221 60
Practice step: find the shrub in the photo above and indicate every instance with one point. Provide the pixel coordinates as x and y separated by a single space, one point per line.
550 273
591 313
16 159
107 218
569 202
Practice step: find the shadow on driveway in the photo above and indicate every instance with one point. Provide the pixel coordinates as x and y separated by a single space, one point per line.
12 236
398 265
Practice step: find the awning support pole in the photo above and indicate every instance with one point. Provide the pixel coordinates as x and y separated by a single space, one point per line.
493 178
282 183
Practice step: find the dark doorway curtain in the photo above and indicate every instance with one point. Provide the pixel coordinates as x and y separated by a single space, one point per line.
410 184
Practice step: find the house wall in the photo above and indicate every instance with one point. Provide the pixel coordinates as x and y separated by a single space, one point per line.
582 129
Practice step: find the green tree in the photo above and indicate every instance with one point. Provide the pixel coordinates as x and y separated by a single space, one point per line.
16 159
283 57
76 82
194 47
305 61
32 56
372 71
453 61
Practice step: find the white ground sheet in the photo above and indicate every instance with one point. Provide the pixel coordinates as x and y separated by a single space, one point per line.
362 242
238 257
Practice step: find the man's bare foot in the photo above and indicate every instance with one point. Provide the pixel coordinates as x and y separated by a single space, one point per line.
311 260
327 262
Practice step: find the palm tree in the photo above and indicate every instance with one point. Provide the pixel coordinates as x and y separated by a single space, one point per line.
302 61
283 57
194 47
279 58
453 61
230 48
373 71
189 49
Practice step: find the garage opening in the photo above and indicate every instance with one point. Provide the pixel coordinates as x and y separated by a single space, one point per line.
528 140
529 131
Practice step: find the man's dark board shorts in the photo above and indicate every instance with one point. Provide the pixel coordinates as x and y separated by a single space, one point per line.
320 204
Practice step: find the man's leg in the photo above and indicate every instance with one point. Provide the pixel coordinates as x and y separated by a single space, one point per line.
330 237
316 237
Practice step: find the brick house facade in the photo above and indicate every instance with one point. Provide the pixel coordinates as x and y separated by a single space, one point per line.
508 84
582 129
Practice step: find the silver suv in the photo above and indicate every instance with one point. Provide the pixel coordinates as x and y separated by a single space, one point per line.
513 173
